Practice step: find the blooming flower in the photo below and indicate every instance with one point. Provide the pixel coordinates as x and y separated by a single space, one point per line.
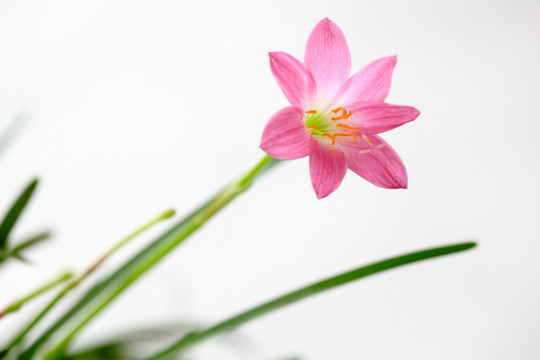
334 118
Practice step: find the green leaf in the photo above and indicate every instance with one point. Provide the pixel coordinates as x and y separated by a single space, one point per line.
19 257
310 290
100 295
14 306
95 265
14 212
121 346
34 240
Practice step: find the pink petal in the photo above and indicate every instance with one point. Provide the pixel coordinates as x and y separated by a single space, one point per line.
327 166
375 118
285 135
293 78
377 162
327 57
371 83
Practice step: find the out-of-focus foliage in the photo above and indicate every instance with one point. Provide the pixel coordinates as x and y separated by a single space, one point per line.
55 341
125 346
194 338
12 216
10 220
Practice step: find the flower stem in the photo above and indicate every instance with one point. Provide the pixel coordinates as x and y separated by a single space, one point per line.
165 215
104 292
14 306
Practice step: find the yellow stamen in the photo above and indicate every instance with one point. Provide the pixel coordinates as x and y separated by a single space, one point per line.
344 115
331 137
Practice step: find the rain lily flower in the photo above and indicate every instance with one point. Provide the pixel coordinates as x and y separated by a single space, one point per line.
335 118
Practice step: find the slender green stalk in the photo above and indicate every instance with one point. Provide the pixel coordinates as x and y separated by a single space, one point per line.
165 215
327 284
106 291
44 288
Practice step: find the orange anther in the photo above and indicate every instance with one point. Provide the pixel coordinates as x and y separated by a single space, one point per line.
348 127
331 137
311 112
344 114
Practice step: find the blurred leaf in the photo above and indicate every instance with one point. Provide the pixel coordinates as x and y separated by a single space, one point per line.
15 305
96 264
310 290
121 347
18 257
36 239
113 351
105 291
12 130
14 212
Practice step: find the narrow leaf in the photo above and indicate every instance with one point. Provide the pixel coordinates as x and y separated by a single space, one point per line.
36 239
310 290
100 295
121 346
14 212
14 306
95 265
19 257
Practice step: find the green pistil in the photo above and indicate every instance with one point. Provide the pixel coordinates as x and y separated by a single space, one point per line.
319 124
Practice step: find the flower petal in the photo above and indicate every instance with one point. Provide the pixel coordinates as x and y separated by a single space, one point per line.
327 166
376 161
293 78
327 57
285 135
371 83
375 118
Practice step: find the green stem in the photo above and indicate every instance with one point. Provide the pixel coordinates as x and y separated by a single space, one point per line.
165 215
197 337
51 284
106 291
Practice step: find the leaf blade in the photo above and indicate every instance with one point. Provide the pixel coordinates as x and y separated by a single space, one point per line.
101 294
15 212
30 242
307 291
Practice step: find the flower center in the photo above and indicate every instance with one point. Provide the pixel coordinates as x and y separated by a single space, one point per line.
332 125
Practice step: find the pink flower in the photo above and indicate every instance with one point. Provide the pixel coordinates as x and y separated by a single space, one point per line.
335 118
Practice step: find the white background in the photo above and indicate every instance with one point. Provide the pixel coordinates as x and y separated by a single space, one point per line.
140 106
